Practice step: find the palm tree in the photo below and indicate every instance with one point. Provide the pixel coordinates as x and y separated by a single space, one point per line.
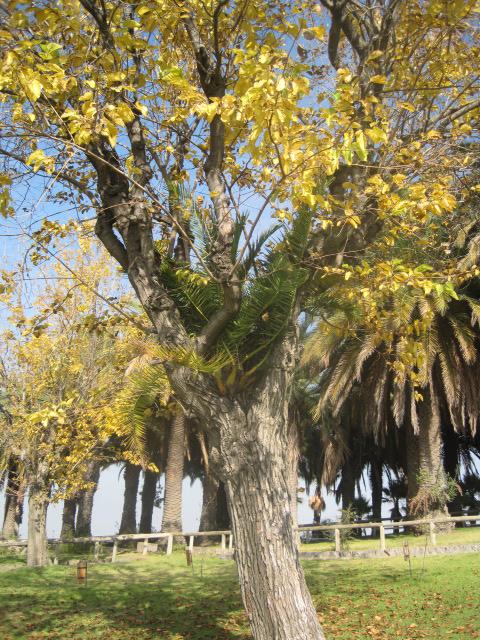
370 365
131 474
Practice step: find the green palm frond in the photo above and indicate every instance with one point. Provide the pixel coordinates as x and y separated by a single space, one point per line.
145 387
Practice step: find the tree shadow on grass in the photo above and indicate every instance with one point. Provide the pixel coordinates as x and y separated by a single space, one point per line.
121 601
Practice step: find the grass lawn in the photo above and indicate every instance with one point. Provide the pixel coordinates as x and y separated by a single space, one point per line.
160 597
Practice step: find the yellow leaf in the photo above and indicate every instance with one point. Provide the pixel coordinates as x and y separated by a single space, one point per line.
378 79
376 135
111 133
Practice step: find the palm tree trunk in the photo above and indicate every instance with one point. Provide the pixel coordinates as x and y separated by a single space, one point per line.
68 519
223 514
128 523
431 498
413 465
376 484
208 518
293 457
85 501
451 464
347 485
172 506
149 492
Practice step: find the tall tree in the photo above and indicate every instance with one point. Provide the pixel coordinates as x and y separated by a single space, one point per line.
69 514
122 101
149 493
83 526
131 474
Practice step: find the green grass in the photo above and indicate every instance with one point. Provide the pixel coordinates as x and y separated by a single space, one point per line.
161 598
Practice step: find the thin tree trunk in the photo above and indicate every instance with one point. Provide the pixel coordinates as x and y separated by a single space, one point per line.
13 505
413 464
172 506
128 523
68 519
208 518
451 464
347 484
293 452
376 484
85 501
149 492
37 551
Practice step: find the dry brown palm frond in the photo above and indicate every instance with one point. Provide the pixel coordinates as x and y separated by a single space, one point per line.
325 340
465 337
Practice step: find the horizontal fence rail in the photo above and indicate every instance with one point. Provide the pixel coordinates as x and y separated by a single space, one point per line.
189 536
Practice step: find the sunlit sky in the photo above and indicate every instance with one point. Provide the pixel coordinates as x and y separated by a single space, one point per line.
107 507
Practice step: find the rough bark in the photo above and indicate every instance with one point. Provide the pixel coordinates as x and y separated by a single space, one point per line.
149 491
128 523
431 497
68 519
253 457
85 501
37 552
172 506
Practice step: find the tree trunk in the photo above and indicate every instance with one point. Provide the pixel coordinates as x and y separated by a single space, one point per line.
376 484
250 449
223 514
68 519
172 506
451 464
431 498
413 462
128 523
293 452
347 484
85 501
37 551
149 492
208 518
13 505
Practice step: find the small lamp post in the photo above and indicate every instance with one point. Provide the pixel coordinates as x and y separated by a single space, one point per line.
82 572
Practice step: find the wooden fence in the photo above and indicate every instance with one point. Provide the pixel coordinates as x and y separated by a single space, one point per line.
97 541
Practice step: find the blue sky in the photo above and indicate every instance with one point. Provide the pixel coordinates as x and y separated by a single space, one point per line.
107 507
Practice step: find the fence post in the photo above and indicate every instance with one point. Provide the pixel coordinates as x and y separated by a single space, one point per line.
56 548
230 542
114 550
433 536
338 546
190 542
145 547
382 538
224 542
169 545
96 551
